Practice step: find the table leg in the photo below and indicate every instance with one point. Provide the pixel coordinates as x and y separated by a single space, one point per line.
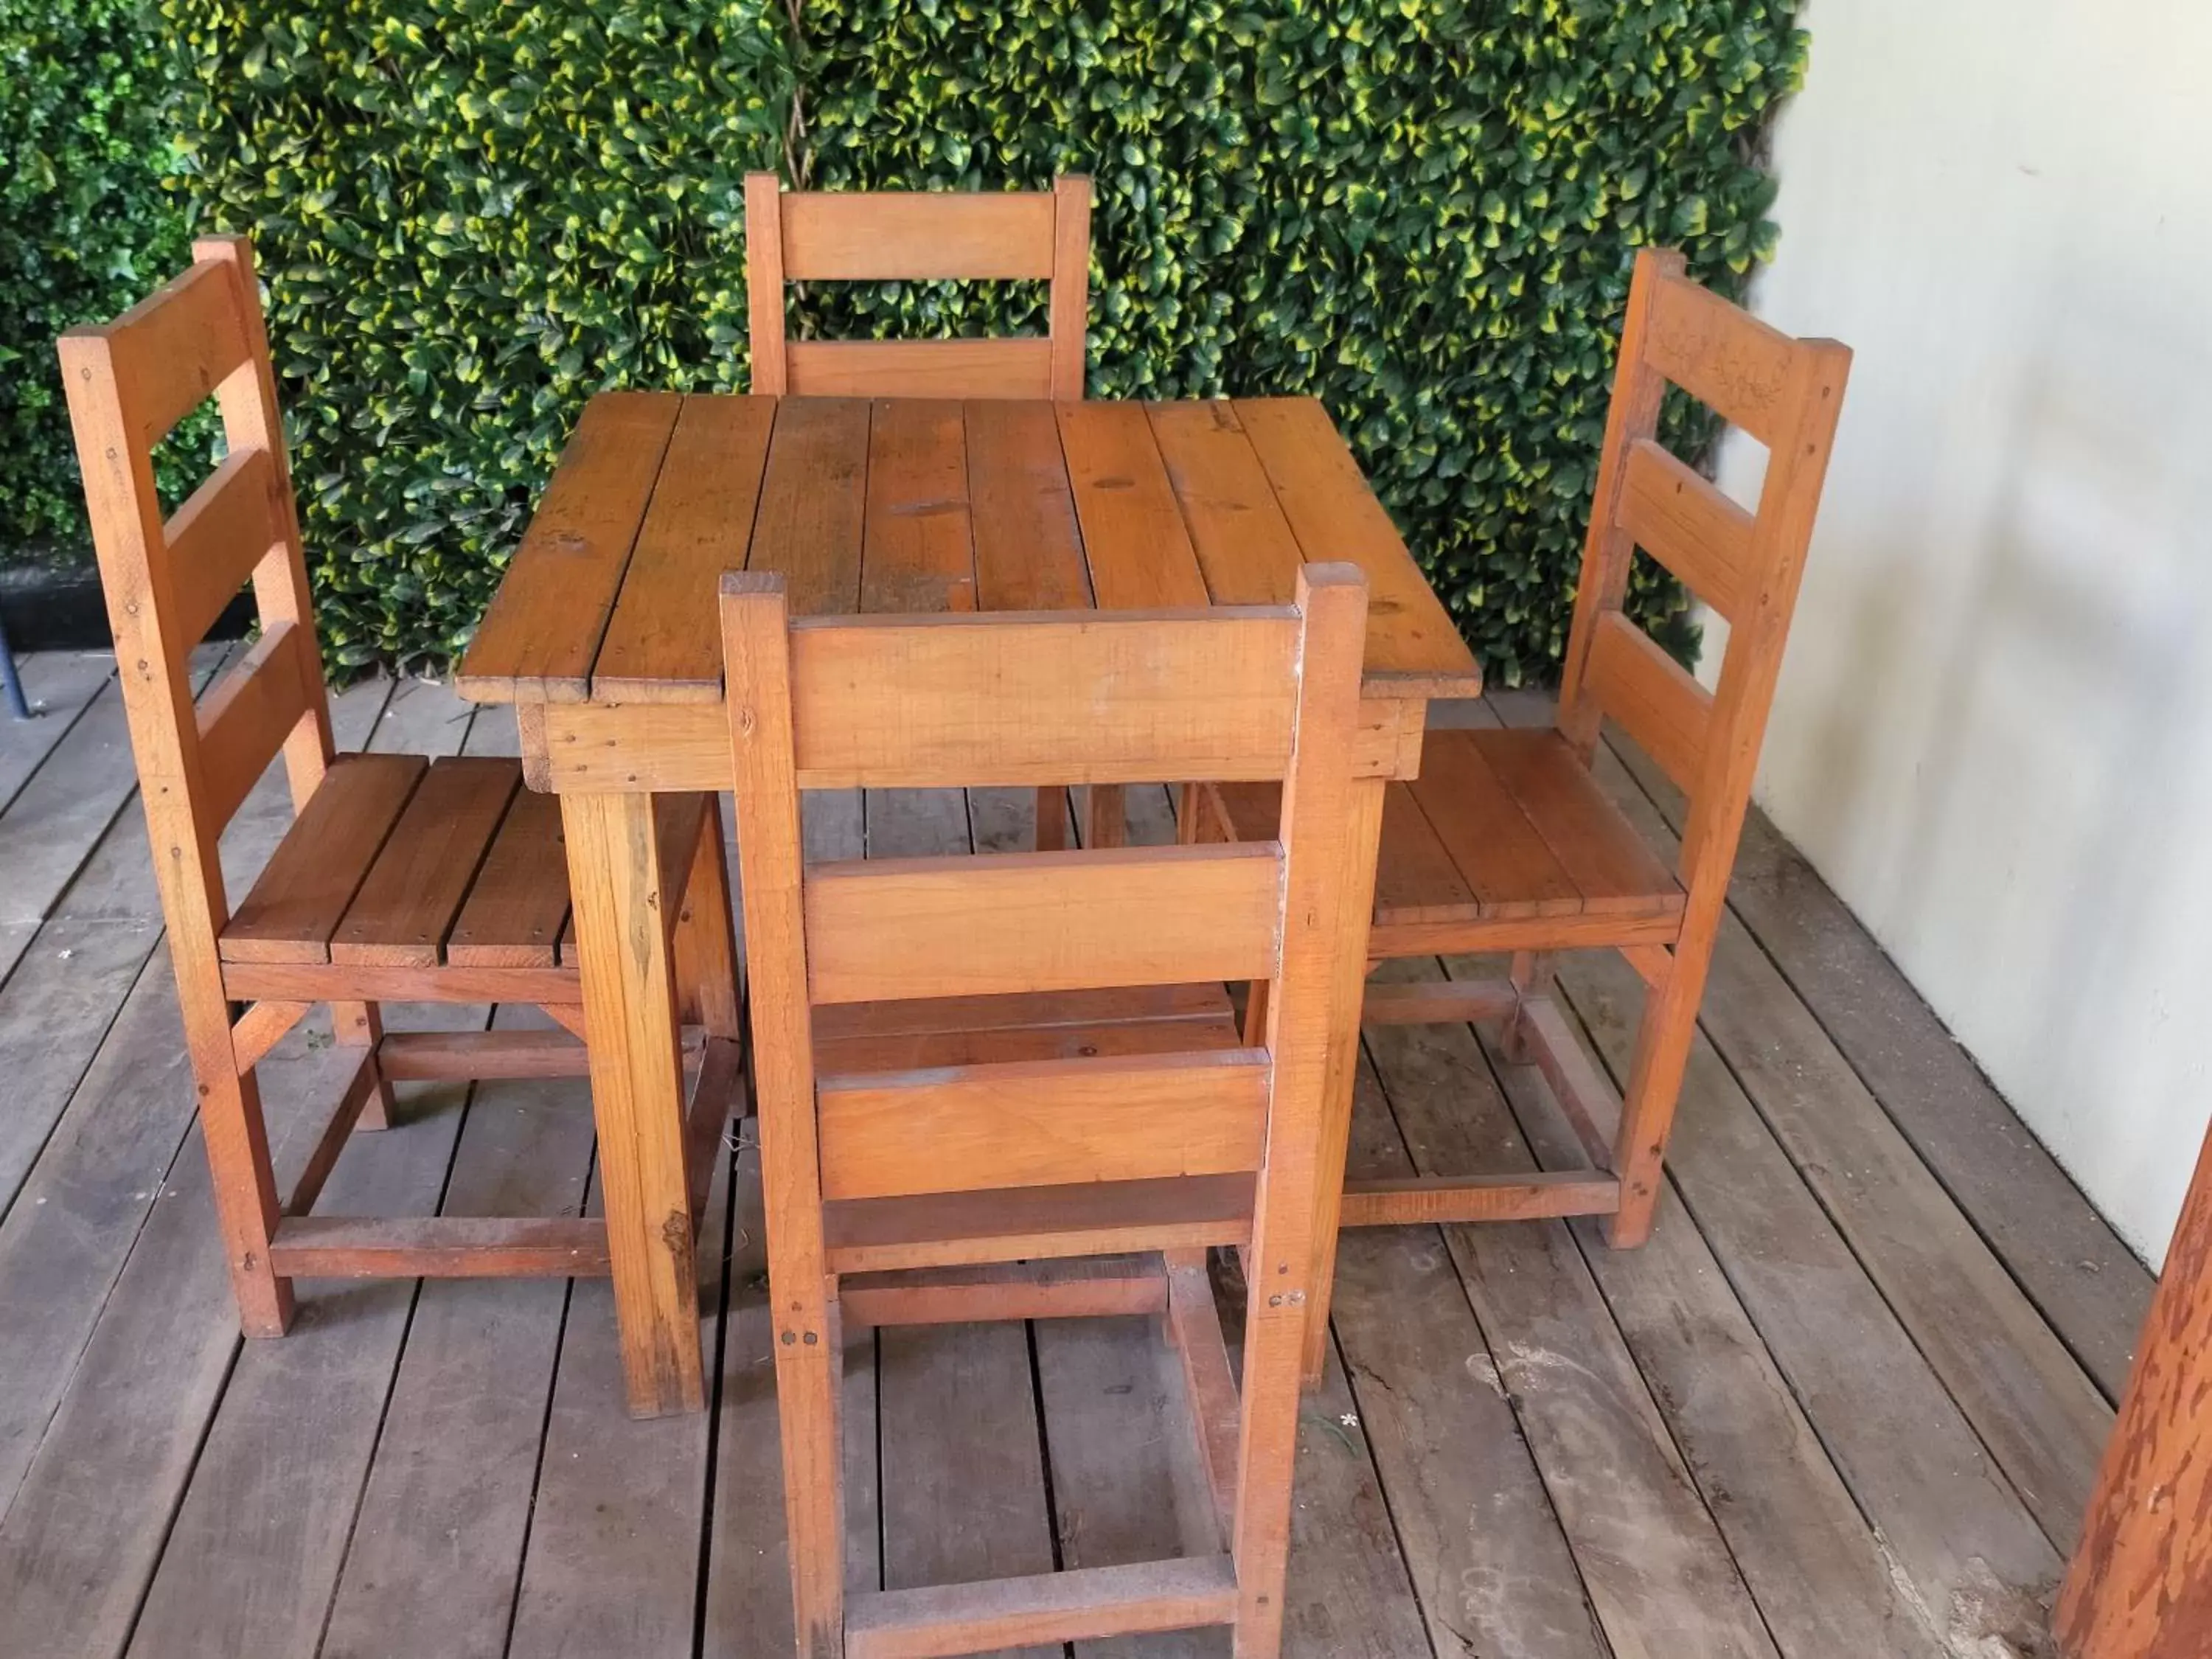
623 939
1363 834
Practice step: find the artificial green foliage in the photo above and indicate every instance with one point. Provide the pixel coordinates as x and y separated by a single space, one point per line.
85 228
470 214
1423 213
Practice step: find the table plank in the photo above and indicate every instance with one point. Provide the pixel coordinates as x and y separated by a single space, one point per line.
809 527
538 639
1028 549
662 645
1134 541
918 553
1244 543
1412 648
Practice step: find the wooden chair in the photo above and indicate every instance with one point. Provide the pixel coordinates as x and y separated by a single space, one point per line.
438 881
921 236
1504 843
907 1195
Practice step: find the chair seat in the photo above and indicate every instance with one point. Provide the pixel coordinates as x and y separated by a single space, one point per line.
401 862
1502 828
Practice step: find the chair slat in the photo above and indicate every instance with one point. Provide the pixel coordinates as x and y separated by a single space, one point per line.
244 719
518 900
1615 868
1041 921
1722 356
304 889
1054 1123
224 529
175 347
952 700
956 1229
1652 696
1012 367
407 904
1688 526
1503 860
1080 1604
920 236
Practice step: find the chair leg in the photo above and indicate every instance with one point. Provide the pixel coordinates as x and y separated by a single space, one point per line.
1267 1444
705 938
1105 817
361 1025
1655 1085
1052 818
246 1200
1531 973
809 1363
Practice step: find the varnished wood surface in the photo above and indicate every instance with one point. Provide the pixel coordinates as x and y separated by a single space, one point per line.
899 505
1800 1403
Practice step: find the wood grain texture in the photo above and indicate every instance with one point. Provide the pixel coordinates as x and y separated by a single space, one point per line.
917 235
1686 523
813 500
1412 647
660 641
1244 545
1138 547
516 905
538 639
918 550
1028 549
1042 1123
1053 922
1009 368
407 903
2140 1585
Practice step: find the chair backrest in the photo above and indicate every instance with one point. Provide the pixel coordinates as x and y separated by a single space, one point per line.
168 579
1785 393
1031 699
919 236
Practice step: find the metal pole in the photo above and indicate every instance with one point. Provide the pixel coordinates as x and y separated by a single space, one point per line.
11 686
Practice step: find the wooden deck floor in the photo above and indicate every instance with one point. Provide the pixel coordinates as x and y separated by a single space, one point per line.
1848 1401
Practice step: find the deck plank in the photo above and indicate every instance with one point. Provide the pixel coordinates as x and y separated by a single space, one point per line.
1658 1570
85 1529
1481 1537
2080 1275
434 1561
253 1557
963 1475
58 685
63 809
1818 1572
2043 1418
613 1557
1954 1525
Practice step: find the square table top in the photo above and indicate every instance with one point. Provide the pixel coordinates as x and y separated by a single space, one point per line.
916 506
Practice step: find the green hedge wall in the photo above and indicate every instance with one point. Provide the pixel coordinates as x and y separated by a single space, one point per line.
1424 214
85 228
471 215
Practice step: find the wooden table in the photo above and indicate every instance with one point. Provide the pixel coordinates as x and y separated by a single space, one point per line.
604 636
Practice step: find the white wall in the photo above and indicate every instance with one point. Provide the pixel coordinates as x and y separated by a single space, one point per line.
1994 731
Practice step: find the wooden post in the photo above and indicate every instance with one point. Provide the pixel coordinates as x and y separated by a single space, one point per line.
622 925
2141 1583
